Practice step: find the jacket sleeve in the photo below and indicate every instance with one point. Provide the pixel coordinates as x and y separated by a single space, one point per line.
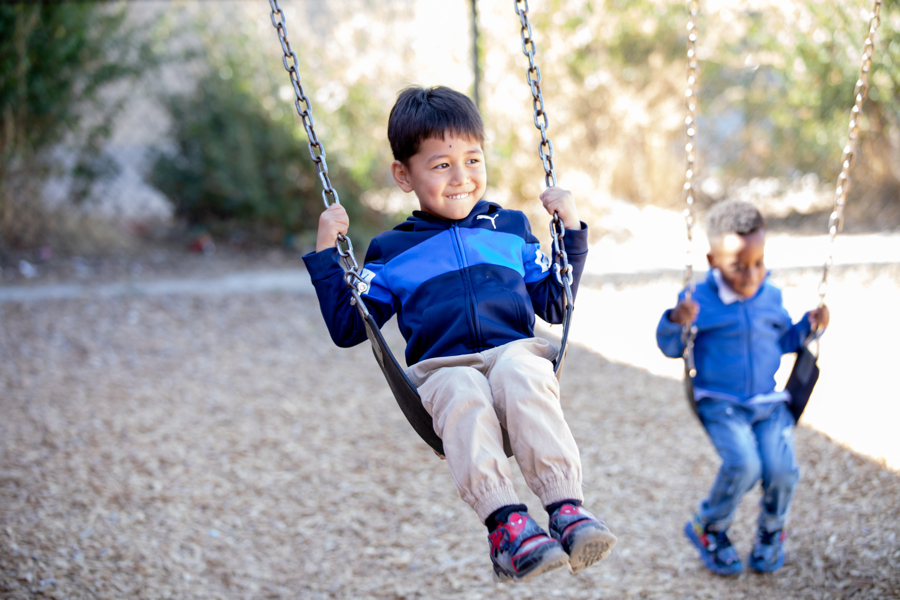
548 296
668 334
345 324
794 337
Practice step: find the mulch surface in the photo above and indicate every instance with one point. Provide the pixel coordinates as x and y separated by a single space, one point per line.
222 447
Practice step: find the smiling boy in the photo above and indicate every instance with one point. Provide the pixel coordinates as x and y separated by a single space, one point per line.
466 279
742 331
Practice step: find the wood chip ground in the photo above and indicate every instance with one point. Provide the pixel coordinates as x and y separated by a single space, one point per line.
221 447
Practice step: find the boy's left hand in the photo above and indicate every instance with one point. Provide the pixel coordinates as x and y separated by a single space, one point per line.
557 200
819 318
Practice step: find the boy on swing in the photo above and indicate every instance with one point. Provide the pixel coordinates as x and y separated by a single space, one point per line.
742 331
466 278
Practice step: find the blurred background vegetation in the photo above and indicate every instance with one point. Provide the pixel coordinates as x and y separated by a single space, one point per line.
119 120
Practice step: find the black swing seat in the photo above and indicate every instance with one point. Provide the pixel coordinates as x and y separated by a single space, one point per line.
408 397
800 383
802 380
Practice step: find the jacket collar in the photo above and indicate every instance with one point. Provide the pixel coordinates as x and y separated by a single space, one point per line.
725 293
423 221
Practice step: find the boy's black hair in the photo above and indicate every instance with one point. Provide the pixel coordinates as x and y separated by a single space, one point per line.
423 113
733 216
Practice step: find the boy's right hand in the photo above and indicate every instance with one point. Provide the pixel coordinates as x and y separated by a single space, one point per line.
333 222
685 313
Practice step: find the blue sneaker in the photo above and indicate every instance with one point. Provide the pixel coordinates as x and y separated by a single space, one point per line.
584 538
520 549
768 551
716 551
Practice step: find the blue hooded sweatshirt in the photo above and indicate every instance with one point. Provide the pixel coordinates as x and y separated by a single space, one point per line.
457 287
739 345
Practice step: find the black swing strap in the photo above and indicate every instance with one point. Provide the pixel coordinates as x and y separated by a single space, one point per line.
404 391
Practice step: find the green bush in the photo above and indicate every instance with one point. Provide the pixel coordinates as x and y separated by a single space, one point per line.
56 60
234 161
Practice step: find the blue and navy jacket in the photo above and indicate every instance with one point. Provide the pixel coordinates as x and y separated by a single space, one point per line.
739 345
457 287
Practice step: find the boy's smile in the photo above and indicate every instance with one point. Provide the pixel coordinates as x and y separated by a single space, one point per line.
740 259
447 175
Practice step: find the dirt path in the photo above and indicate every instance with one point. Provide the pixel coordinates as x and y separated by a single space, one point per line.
219 446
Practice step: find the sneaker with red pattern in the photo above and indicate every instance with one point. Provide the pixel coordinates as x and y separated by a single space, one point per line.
521 550
585 538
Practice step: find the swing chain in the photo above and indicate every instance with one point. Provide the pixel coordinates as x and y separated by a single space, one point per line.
860 93
343 244
533 77
689 332
304 107
561 267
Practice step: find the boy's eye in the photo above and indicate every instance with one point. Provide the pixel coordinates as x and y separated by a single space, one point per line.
441 166
474 161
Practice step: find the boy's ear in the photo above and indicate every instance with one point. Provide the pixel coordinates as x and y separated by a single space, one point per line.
400 173
711 259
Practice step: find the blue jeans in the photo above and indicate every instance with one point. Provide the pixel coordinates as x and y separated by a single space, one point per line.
755 441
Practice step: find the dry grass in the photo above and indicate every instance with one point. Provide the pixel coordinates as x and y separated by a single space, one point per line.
221 447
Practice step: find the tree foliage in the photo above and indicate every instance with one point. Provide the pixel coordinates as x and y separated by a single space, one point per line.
238 155
56 62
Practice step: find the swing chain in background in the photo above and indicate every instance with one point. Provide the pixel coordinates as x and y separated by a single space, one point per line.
860 93
562 268
317 152
689 332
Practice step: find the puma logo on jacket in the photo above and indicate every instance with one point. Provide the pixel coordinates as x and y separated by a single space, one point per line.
457 287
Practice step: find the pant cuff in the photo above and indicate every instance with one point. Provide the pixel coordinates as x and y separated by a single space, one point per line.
554 491
771 523
493 499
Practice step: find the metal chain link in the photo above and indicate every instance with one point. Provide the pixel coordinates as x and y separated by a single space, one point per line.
317 152
533 78
689 332
860 93
562 268
304 107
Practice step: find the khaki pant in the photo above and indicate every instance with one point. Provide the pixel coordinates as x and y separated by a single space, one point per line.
469 397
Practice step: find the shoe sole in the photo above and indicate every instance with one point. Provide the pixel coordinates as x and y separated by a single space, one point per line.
764 568
590 545
553 558
708 562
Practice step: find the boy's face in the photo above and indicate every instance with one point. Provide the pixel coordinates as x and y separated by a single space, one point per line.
740 258
447 175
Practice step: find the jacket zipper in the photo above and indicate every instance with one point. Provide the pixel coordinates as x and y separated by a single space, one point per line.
467 282
748 384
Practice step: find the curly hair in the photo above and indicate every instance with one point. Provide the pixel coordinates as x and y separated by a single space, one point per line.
732 216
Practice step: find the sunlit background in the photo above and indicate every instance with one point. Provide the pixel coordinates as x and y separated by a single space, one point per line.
157 143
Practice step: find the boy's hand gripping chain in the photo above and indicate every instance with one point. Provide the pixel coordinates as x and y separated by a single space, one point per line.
689 332
561 266
317 152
